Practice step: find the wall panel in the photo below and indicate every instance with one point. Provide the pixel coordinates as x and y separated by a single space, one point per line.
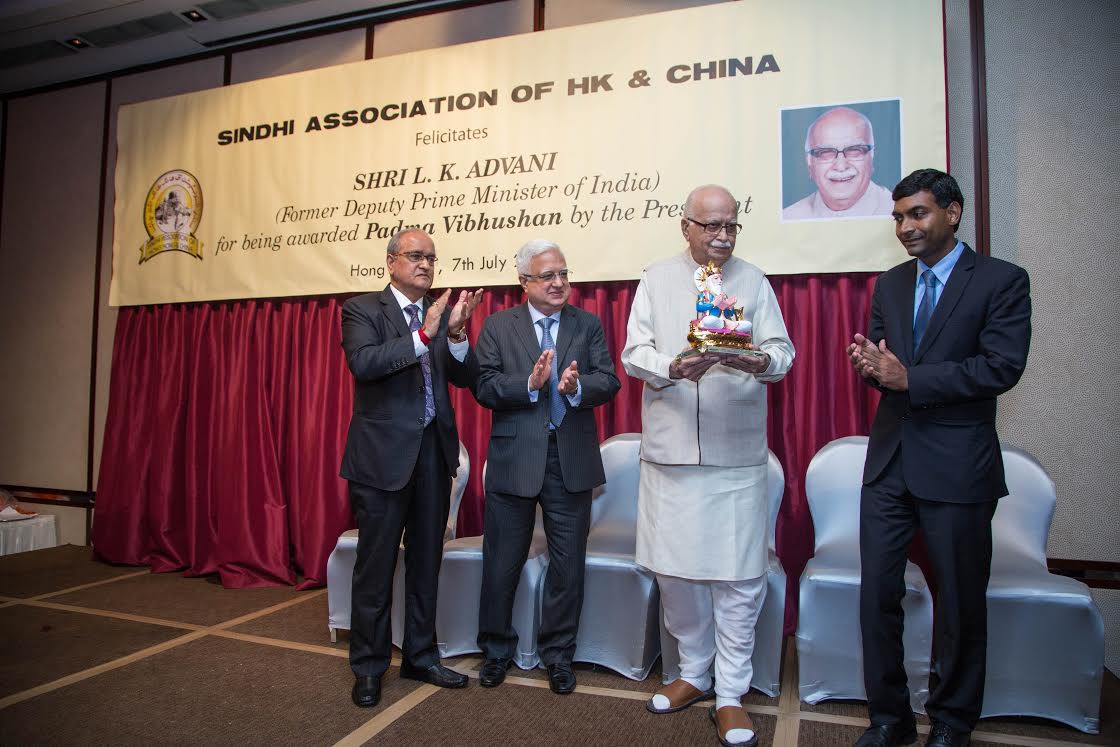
48 247
1053 130
453 27
559 13
296 56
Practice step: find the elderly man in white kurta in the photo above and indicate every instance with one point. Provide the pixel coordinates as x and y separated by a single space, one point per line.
702 513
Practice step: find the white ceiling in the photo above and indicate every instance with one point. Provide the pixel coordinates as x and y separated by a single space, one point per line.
127 33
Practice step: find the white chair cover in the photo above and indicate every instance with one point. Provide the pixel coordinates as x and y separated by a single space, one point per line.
829 648
1045 634
768 633
340 564
618 627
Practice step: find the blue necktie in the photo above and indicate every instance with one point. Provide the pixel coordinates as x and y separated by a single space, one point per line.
556 407
925 308
425 363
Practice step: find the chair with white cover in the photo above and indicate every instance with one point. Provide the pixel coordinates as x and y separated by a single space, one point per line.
618 626
340 564
766 661
1030 609
829 648
460 584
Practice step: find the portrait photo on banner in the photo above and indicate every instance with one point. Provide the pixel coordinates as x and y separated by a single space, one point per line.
840 160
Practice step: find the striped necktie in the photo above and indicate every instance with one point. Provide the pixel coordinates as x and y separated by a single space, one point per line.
556 409
425 363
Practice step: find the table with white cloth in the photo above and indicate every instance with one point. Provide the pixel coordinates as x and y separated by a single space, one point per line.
35 533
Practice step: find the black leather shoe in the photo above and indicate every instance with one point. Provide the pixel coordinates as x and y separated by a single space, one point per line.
436 674
561 678
889 735
366 692
493 672
943 735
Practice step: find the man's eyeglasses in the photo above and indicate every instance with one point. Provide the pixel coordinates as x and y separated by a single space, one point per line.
415 257
548 277
851 153
713 229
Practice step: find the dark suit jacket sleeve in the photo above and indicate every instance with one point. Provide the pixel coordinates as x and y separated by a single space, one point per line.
462 374
496 389
1002 352
599 383
876 331
369 355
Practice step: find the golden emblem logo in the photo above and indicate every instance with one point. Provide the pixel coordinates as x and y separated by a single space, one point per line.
172 213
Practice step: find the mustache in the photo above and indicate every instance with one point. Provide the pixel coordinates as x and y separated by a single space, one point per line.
844 174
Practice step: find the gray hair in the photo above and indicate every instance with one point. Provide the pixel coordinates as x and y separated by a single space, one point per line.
692 196
531 249
866 122
395 241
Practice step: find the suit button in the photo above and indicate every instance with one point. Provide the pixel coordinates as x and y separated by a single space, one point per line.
420 421
906 416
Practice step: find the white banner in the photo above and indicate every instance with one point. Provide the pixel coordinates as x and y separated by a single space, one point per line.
591 136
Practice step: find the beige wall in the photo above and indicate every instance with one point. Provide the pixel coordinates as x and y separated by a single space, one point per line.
453 27
1053 74
48 251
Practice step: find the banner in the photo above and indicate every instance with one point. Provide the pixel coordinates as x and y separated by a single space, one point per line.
809 111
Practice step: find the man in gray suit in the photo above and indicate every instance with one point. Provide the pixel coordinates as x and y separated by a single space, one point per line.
543 367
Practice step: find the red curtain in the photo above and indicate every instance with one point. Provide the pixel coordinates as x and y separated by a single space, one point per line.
227 420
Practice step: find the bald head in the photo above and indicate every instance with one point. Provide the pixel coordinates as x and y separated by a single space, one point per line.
840 157
709 204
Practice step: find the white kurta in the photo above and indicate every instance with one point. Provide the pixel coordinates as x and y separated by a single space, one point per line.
702 510
702 523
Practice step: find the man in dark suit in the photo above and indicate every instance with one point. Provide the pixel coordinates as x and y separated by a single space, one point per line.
543 367
949 333
401 451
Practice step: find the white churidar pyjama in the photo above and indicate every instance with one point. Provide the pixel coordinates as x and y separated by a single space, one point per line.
714 620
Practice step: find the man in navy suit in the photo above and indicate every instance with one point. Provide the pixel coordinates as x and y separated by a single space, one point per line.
402 449
949 332
543 368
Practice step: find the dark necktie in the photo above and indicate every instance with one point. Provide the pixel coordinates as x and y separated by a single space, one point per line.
556 407
425 363
925 308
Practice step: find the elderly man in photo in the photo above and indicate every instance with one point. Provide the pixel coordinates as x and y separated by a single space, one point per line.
543 368
840 154
702 512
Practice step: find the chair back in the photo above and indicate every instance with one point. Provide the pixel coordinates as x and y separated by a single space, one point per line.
1022 520
775 488
458 487
832 486
614 514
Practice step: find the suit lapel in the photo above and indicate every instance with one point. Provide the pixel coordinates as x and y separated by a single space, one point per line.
954 289
903 298
523 328
565 335
392 310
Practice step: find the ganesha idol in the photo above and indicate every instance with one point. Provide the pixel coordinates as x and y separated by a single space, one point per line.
719 326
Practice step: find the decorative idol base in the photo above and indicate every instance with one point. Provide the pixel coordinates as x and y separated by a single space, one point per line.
710 341
719 349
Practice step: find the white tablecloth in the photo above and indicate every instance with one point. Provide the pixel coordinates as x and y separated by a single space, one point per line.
28 534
